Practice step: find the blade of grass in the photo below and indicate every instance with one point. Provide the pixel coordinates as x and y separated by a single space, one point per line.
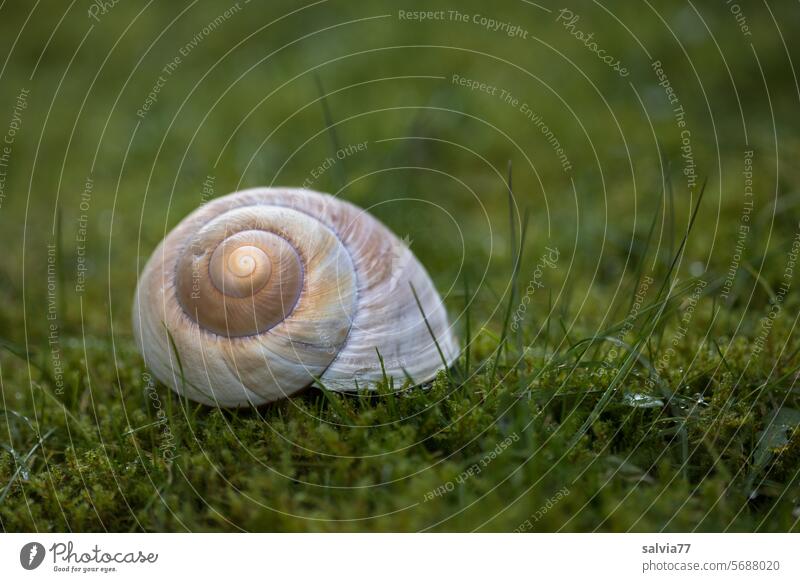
650 327
47 392
21 466
509 307
516 250
671 211
467 327
17 416
174 348
61 272
388 386
430 330
331 127
15 349
333 401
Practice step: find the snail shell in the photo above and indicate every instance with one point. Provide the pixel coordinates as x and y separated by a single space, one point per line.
257 293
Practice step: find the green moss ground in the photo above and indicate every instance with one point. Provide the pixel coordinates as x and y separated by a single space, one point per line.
582 418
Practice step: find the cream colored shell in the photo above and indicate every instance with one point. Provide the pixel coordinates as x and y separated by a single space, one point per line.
255 294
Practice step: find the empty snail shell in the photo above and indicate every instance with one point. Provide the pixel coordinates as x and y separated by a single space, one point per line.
256 294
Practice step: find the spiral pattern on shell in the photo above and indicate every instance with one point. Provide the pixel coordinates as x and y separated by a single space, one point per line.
255 294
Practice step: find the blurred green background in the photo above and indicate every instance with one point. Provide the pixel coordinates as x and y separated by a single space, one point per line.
159 106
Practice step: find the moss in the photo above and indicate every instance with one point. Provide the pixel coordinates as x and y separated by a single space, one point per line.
105 453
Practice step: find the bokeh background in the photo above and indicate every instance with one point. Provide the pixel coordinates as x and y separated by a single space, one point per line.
120 118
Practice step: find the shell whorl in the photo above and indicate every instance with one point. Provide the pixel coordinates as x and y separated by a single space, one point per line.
242 283
262 291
